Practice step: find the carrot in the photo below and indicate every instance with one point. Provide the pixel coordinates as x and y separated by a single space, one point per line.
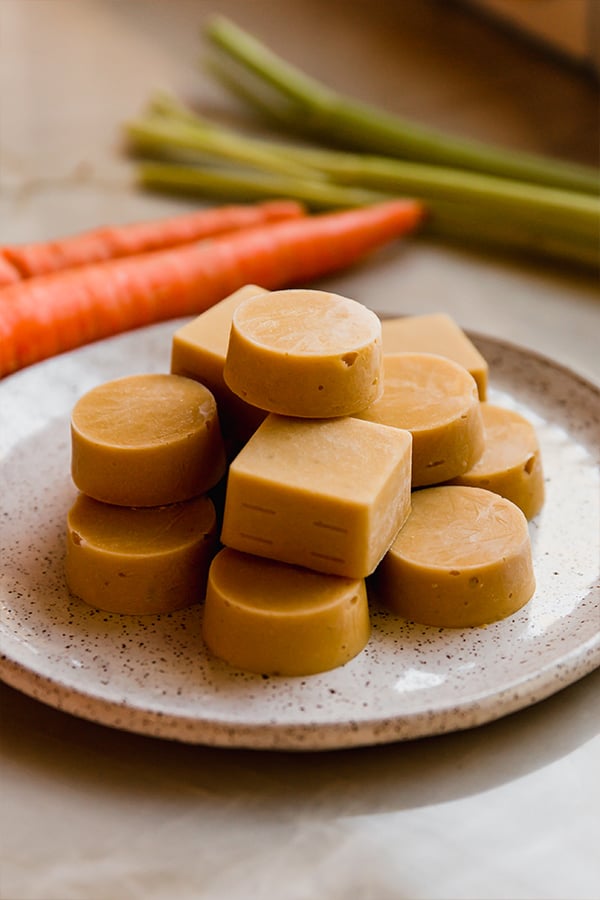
40 258
8 273
64 310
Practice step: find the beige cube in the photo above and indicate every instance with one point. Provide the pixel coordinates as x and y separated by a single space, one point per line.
436 333
198 351
330 494
305 353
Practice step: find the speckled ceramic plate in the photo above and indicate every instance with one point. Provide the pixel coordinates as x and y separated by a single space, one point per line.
152 675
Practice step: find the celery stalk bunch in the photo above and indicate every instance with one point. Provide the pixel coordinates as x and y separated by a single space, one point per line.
344 153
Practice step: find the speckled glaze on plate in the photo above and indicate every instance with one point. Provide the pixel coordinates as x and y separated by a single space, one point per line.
152 675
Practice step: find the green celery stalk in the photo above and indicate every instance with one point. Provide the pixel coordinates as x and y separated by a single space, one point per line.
511 214
247 185
458 225
211 142
305 104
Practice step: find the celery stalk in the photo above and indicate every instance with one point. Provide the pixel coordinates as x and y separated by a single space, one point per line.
247 185
311 107
494 211
577 211
454 223
216 143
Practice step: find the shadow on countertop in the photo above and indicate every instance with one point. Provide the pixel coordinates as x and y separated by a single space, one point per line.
56 746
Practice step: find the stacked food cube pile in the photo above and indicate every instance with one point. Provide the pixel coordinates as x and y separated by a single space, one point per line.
315 496
145 452
352 471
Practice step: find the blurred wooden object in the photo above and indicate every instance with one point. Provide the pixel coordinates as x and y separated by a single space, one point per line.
571 27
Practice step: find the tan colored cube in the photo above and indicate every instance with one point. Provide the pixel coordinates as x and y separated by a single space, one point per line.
268 617
198 351
146 440
436 400
436 333
330 495
140 561
305 353
511 463
463 558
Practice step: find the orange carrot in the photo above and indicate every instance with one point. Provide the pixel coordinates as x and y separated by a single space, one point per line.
40 258
8 273
53 313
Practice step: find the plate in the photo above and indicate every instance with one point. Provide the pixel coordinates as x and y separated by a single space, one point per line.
152 675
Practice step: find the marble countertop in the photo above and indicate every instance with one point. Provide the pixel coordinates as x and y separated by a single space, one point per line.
506 811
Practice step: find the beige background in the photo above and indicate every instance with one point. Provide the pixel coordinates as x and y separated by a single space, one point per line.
506 811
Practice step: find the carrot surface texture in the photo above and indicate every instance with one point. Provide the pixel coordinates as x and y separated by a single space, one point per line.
111 242
44 316
8 273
